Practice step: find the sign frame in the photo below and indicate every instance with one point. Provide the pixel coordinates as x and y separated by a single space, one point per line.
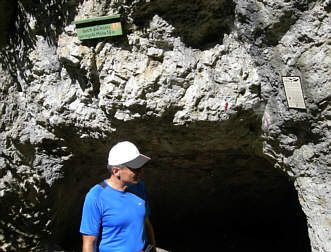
293 91
99 27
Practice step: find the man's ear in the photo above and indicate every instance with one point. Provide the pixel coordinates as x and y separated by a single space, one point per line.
116 171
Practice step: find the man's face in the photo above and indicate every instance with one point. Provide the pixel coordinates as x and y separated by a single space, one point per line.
129 175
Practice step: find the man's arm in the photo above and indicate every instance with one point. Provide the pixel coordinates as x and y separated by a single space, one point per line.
89 243
150 233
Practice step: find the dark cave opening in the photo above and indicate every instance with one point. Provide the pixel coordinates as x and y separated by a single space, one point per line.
211 201
240 203
237 229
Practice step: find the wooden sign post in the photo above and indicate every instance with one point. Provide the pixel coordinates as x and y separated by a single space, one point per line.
98 27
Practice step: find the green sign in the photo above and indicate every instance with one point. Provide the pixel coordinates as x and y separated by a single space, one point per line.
99 31
98 27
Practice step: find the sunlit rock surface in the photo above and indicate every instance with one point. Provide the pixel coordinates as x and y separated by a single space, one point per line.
197 86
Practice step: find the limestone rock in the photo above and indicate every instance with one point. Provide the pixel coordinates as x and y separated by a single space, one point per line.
196 84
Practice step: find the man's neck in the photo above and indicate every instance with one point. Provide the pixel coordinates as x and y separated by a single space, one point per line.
116 184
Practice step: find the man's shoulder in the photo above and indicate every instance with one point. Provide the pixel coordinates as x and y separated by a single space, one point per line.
97 189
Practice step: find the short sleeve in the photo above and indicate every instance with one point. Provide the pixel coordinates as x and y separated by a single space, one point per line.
91 217
148 209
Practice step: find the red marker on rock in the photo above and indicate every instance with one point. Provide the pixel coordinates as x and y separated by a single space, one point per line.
226 106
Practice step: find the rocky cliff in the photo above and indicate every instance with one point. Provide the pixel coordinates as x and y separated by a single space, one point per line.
197 85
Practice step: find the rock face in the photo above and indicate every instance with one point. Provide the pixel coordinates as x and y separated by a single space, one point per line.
197 86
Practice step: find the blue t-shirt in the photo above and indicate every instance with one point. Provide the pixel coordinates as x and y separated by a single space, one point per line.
121 214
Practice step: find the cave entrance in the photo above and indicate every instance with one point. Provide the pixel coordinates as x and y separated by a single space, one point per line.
226 201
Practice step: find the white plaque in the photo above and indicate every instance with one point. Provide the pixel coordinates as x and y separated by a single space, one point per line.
293 92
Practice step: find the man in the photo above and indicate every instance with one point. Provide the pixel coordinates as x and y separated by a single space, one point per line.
116 212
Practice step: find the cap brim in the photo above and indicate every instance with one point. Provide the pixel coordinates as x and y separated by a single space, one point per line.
138 162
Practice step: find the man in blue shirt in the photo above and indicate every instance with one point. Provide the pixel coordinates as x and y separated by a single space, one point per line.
116 211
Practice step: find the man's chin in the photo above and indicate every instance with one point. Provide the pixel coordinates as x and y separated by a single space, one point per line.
135 181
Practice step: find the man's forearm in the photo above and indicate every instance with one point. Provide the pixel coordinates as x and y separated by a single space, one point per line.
150 233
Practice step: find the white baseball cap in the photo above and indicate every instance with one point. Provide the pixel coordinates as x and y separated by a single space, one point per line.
126 153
